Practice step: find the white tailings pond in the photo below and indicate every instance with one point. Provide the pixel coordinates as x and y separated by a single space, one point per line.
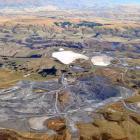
67 57
102 60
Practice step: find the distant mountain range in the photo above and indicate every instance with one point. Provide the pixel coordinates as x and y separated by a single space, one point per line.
101 8
62 4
